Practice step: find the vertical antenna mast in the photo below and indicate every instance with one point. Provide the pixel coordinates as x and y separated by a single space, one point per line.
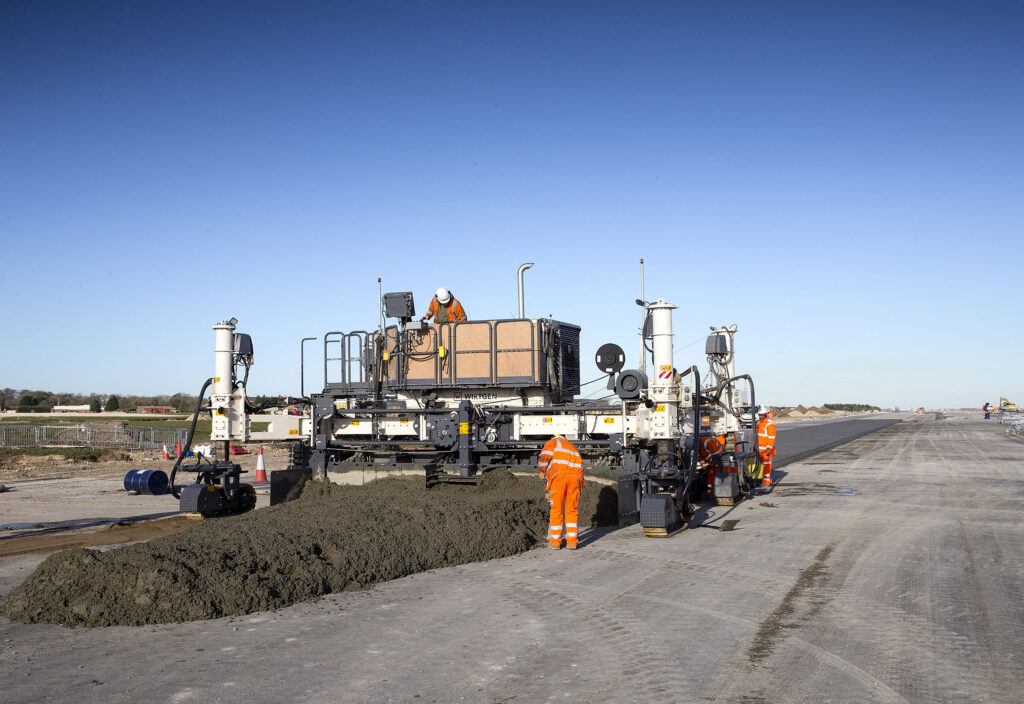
643 319
380 307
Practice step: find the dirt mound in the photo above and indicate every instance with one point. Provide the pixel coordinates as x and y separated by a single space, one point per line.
332 538
114 456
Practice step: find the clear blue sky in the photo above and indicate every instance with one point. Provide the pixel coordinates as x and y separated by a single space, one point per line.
843 181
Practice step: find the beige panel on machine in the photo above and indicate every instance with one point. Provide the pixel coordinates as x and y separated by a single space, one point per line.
390 349
421 364
515 351
472 353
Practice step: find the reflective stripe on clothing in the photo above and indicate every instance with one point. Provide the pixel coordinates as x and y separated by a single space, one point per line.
565 501
766 438
709 446
559 455
453 311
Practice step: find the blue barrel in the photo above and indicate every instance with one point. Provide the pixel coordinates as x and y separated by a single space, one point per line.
147 481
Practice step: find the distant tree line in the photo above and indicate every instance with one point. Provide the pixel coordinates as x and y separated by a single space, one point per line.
851 407
36 401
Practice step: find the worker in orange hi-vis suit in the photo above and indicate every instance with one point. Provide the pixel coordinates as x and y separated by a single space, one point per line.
766 443
561 468
709 447
444 308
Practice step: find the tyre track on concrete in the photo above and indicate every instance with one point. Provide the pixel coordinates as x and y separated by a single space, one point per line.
993 615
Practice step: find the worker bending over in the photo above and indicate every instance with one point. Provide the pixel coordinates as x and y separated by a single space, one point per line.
561 468
766 443
444 308
709 447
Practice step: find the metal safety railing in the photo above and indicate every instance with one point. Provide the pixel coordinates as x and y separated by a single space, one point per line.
121 437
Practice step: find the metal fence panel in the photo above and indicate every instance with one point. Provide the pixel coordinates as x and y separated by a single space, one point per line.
122 437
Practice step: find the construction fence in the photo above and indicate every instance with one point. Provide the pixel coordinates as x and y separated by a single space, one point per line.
119 437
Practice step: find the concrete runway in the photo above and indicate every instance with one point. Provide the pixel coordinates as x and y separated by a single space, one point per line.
887 569
804 438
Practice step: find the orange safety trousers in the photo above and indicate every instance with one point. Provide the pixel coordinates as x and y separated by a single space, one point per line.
564 492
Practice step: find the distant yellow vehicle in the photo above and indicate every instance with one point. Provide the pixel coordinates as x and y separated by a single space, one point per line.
1005 405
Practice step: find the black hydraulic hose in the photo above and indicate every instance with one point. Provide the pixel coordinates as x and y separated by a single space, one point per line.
191 432
721 387
695 450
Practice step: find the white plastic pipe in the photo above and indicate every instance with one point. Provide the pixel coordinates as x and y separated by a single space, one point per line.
522 303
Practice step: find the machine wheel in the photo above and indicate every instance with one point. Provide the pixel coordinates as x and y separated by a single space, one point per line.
246 497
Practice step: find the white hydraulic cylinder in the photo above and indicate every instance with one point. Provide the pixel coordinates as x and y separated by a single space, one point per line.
223 368
661 333
224 351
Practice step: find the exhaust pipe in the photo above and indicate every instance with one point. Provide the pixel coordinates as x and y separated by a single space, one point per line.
522 268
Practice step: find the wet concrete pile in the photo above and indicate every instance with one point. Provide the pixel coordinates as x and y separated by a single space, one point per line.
333 538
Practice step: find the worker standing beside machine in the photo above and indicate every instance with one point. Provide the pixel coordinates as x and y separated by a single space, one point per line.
444 308
561 468
766 443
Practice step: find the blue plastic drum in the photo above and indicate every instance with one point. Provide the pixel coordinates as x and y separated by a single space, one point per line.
147 481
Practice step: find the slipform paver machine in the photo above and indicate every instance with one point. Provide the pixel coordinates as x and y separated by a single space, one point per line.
454 399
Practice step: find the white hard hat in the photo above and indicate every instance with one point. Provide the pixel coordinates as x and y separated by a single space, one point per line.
443 295
762 410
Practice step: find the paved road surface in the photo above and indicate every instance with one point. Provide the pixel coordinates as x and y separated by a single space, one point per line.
804 438
885 570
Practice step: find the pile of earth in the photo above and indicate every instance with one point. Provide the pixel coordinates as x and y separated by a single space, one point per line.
332 538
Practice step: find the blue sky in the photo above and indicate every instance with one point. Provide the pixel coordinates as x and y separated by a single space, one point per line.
843 181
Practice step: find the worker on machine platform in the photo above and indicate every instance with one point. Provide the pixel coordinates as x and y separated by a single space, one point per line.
561 468
444 308
765 443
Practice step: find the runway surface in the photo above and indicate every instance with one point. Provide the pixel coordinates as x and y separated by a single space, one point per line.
887 569
804 438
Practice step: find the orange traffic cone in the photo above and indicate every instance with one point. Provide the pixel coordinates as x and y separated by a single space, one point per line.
177 450
261 469
167 455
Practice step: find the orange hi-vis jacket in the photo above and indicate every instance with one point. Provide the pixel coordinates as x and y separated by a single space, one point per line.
451 312
559 456
561 467
709 446
766 438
